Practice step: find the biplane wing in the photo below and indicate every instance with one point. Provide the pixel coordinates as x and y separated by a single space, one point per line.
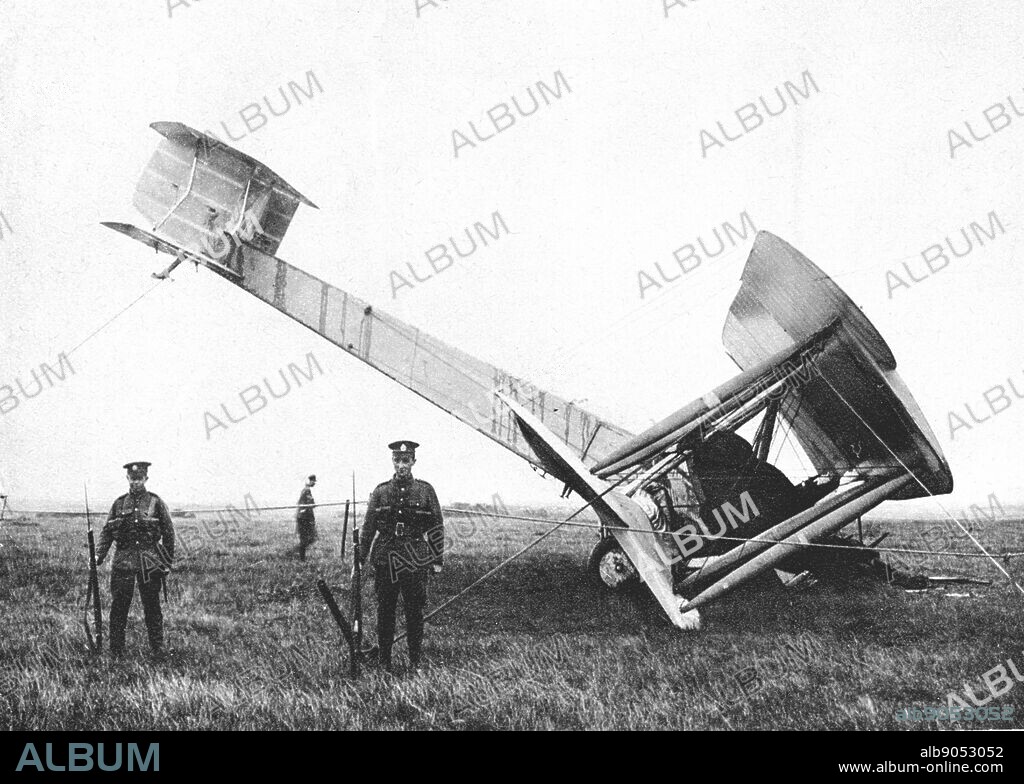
854 407
197 190
799 340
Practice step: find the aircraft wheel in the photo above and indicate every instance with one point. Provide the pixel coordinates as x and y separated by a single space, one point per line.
610 566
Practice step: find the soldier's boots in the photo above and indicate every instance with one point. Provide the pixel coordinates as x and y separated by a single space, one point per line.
156 654
156 643
117 644
155 632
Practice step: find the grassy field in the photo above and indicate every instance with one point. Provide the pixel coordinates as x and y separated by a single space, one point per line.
537 647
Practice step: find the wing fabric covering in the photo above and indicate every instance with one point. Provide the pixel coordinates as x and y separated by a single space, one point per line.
853 407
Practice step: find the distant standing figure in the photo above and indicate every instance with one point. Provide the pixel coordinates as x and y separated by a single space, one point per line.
405 516
305 517
141 526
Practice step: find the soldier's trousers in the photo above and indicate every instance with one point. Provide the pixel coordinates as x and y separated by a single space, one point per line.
122 591
413 588
306 529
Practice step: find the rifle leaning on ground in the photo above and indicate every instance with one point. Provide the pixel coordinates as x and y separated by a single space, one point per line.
92 595
357 593
342 621
353 632
336 613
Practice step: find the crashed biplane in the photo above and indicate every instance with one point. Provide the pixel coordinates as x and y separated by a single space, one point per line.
689 507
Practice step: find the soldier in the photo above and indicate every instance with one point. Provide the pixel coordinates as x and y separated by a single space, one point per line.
141 525
305 518
405 517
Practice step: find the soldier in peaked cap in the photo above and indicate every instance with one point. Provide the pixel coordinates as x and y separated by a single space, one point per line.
140 525
405 518
305 517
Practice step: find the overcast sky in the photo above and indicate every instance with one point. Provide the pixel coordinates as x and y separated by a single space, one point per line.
595 187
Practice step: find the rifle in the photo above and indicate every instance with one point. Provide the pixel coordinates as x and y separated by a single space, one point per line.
357 593
336 613
357 579
339 618
353 632
344 533
93 592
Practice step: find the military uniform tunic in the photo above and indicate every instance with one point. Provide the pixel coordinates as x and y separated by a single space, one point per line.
142 529
406 519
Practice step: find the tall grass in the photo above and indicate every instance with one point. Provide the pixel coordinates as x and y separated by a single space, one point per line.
537 647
